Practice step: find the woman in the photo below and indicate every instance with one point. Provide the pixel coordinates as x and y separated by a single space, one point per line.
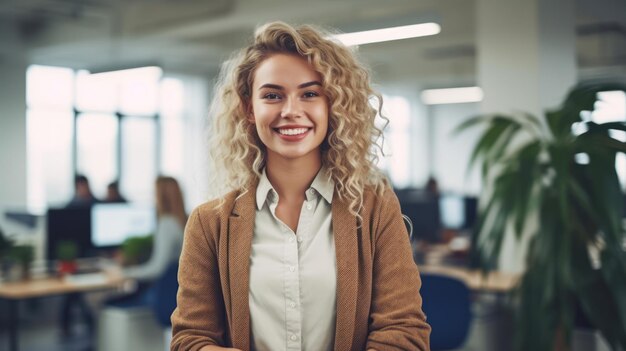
168 237
166 245
308 250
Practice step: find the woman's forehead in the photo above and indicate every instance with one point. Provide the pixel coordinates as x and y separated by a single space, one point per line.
284 70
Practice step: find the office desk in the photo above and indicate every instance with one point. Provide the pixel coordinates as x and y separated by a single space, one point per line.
493 282
13 292
435 257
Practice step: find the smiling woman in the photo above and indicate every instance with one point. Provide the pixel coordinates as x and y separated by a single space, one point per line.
289 109
308 249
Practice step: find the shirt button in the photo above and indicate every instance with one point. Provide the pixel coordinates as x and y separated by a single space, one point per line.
292 304
309 206
300 239
294 338
290 240
292 268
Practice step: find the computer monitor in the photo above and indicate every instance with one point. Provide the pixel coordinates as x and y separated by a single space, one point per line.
68 224
113 223
471 211
423 210
452 208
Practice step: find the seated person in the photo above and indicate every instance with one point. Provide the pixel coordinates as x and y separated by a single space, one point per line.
113 193
83 198
167 243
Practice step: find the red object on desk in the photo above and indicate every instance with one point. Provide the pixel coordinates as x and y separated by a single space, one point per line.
67 267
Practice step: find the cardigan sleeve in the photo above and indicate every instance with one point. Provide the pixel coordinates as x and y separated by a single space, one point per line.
397 321
199 318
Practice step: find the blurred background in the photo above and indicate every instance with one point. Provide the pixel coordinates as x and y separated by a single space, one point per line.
118 91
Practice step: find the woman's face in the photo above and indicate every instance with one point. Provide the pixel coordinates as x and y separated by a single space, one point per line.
289 108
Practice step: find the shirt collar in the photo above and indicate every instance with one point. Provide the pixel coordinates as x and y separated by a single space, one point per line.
322 184
263 190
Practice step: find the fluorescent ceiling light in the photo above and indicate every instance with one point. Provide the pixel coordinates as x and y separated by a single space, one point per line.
452 95
388 34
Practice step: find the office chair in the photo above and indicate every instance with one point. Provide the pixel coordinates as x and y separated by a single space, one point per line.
164 299
446 303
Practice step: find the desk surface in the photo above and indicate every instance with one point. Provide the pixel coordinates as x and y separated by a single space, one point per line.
498 282
435 262
55 286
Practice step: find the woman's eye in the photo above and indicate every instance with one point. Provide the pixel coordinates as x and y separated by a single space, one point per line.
310 94
271 96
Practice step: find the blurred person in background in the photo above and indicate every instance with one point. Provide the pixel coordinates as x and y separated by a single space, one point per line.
75 302
307 249
113 193
167 242
82 193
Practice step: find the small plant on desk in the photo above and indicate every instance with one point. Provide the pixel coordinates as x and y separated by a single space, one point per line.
67 252
137 250
6 244
23 255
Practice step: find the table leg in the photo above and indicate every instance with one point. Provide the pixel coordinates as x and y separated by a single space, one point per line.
13 327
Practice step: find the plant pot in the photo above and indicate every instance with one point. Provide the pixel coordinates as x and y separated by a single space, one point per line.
25 271
67 267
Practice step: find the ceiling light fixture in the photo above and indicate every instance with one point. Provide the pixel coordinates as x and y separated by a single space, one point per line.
389 34
452 95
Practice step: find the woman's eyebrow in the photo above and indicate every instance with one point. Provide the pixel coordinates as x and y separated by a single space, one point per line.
271 86
279 87
308 84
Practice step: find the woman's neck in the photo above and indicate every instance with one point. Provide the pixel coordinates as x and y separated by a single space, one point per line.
291 178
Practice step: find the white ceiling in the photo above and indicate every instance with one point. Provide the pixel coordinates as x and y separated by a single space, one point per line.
197 35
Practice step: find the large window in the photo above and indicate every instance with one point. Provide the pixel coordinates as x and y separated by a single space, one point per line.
398 144
107 126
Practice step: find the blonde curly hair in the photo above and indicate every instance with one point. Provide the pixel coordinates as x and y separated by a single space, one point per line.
349 150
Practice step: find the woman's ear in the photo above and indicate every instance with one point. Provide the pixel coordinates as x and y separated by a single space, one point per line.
250 117
249 113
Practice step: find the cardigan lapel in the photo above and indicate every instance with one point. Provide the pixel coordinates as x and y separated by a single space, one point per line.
241 230
346 250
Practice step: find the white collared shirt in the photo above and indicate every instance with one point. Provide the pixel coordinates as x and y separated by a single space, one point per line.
293 276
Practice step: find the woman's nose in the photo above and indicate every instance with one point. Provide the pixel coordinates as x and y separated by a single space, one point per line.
291 108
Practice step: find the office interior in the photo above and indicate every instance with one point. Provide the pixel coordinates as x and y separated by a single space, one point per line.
121 91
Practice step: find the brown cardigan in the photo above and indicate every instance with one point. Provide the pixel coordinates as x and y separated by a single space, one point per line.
378 300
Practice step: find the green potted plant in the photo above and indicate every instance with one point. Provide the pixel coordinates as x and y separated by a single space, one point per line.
67 252
6 244
559 169
137 250
23 255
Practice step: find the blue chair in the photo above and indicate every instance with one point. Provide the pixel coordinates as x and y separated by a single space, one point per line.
164 298
446 303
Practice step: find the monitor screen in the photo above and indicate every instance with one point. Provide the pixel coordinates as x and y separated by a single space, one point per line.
111 224
68 225
471 211
423 210
452 209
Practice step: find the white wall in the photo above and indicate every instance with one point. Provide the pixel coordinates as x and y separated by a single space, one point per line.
13 133
12 120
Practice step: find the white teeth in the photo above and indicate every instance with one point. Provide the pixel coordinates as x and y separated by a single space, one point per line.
294 131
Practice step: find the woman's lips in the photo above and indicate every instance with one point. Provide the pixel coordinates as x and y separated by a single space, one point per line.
292 133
